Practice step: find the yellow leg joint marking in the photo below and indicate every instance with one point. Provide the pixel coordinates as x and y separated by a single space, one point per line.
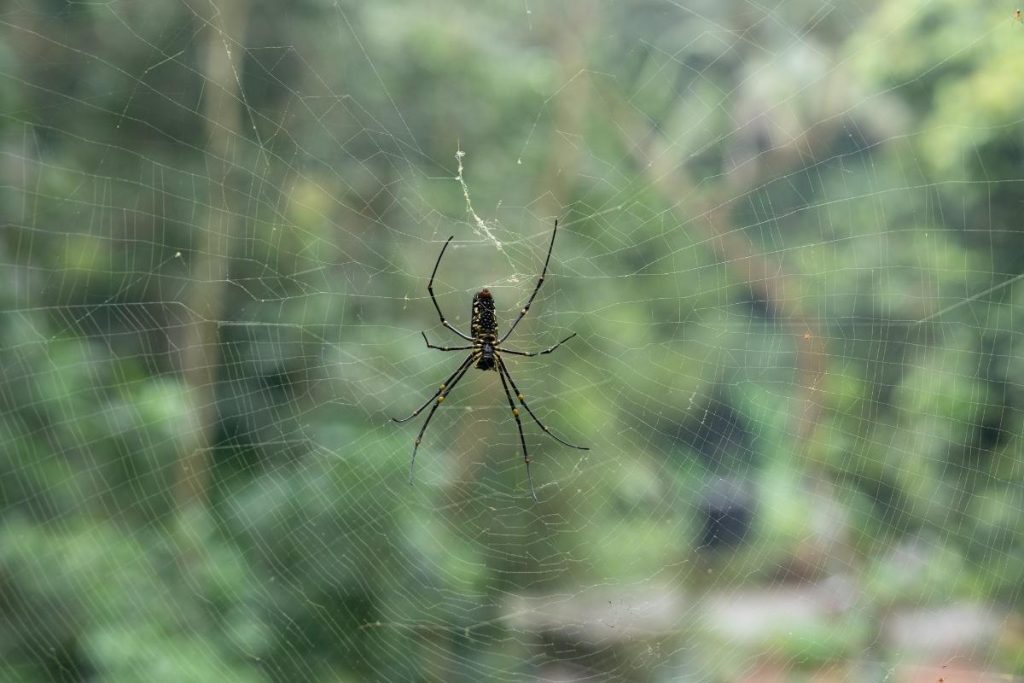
440 399
521 397
515 411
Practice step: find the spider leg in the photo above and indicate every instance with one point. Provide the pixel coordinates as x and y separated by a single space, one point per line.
430 288
460 373
519 425
437 393
539 353
536 289
503 370
446 348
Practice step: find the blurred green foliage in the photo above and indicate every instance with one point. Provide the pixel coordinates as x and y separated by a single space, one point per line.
871 153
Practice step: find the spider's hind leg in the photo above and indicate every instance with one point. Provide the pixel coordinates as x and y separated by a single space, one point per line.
519 425
445 384
503 369
437 404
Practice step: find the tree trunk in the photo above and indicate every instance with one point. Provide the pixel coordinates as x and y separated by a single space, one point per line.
223 45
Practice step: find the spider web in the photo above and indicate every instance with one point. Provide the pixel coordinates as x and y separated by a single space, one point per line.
790 248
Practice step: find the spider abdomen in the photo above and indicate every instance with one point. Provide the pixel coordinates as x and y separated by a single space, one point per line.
484 329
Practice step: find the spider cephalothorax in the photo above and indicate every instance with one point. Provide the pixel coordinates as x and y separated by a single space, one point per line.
485 351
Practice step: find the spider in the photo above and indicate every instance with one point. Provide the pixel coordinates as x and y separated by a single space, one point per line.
485 352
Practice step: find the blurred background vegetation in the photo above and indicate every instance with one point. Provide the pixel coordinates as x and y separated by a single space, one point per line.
791 248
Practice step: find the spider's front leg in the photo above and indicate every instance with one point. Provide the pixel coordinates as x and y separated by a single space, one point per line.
543 273
430 289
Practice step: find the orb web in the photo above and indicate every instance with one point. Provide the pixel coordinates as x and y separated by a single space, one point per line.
789 248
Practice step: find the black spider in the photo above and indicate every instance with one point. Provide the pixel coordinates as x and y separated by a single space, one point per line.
486 351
